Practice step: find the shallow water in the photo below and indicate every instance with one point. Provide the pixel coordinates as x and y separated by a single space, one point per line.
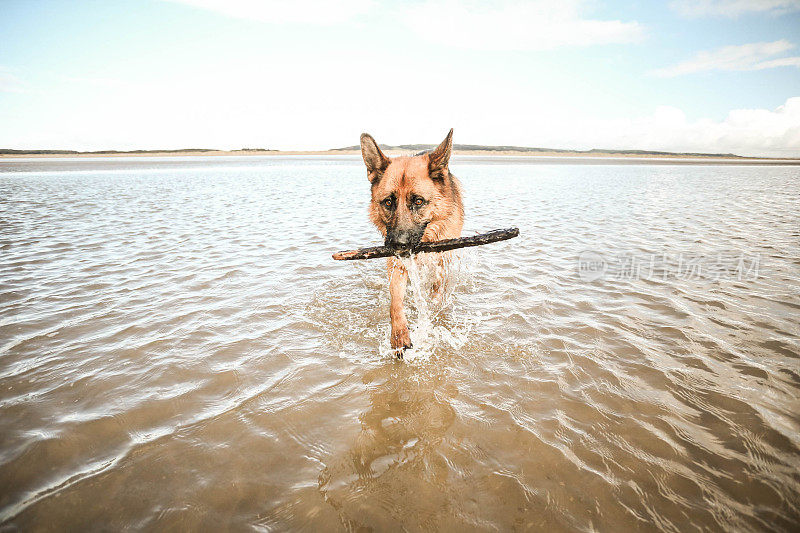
179 351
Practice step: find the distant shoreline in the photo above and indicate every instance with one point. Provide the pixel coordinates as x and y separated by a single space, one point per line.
487 153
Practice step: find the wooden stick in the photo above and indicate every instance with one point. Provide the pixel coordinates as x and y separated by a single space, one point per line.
428 247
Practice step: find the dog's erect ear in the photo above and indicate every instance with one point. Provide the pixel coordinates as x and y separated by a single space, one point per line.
439 158
373 157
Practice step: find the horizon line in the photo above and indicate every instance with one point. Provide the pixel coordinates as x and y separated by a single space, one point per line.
409 147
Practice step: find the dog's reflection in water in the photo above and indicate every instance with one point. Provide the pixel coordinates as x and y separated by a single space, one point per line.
395 472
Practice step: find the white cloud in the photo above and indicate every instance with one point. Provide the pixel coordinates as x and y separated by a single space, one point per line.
515 25
503 25
750 132
752 56
234 106
315 12
733 8
782 62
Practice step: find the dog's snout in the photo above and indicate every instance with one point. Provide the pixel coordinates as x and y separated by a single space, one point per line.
402 238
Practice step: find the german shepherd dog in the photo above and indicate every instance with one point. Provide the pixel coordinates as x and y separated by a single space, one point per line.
414 199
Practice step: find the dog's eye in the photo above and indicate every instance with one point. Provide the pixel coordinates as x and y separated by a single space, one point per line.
418 201
387 203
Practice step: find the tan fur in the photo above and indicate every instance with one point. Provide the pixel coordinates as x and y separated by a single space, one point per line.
405 179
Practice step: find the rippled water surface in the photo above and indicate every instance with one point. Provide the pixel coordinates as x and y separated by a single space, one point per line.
179 351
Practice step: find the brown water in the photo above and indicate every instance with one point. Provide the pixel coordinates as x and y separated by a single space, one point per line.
178 351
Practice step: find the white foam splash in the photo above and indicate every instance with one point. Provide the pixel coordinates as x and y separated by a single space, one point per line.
430 329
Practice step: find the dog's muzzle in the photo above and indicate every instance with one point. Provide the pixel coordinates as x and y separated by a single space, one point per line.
404 241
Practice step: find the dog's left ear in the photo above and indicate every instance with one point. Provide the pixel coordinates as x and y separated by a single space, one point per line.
439 158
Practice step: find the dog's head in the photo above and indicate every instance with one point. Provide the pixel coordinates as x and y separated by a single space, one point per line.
408 193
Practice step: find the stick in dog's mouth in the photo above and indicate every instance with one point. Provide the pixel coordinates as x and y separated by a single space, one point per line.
404 252
429 247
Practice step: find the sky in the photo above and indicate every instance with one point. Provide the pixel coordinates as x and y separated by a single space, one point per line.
720 76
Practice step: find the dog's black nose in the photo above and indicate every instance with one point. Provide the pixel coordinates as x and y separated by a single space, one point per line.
401 239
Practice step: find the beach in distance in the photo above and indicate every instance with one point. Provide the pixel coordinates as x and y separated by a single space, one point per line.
507 153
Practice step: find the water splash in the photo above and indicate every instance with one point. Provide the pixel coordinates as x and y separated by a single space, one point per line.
434 318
